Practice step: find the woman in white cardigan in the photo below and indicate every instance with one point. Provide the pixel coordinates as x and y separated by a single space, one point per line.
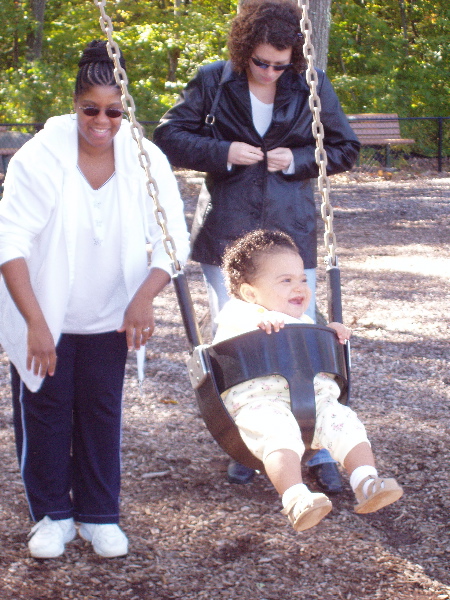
76 293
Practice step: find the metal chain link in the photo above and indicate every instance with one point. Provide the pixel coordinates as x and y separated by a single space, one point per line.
317 128
137 133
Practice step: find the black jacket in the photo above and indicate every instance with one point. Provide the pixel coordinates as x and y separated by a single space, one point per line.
249 197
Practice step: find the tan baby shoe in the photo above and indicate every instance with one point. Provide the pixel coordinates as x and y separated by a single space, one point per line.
380 493
306 511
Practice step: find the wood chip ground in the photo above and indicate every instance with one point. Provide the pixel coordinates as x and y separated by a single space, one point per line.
193 536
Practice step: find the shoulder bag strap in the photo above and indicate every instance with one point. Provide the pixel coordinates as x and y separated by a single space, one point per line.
211 116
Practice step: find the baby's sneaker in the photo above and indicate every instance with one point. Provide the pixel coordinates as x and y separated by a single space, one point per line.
307 510
374 493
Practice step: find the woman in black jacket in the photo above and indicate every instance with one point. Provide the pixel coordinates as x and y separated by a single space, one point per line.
259 151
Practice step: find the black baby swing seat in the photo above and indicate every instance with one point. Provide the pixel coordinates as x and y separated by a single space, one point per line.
296 352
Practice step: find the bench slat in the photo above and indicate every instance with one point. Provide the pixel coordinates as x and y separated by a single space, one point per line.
383 129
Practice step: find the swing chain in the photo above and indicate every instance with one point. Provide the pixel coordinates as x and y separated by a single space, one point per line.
137 133
318 133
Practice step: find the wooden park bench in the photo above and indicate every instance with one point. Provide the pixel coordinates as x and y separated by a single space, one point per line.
379 129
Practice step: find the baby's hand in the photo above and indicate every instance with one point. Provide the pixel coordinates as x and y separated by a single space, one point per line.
267 325
342 332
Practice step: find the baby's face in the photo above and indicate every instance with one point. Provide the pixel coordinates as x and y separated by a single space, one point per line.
281 284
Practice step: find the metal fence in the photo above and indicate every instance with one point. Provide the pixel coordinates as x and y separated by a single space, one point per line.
431 148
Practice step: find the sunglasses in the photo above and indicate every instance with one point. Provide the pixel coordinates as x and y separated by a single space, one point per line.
92 111
263 65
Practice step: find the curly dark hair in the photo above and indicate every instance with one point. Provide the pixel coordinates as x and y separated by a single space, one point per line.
241 260
95 68
274 22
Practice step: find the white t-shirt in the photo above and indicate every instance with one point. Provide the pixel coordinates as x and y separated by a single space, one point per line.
98 294
262 114
262 118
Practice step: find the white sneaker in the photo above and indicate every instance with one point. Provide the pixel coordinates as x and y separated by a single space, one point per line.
108 540
48 537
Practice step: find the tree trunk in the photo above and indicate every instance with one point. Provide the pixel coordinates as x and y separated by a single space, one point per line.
174 55
320 16
35 39
403 19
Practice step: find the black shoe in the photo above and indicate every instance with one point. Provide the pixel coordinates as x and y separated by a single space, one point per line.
238 473
327 477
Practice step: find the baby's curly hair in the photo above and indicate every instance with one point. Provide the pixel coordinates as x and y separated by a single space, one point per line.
241 260
274 22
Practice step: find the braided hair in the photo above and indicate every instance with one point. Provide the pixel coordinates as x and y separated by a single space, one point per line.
95 68
241 260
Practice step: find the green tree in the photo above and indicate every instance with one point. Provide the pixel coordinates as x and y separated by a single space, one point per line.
391 56
163 48
384 55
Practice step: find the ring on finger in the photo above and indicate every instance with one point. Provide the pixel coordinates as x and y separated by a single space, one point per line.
146 329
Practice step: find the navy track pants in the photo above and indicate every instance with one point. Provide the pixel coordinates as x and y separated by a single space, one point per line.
68 433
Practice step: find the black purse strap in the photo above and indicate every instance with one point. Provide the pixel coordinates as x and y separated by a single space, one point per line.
211 116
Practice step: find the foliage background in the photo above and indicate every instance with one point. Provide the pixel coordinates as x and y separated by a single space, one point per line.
384 55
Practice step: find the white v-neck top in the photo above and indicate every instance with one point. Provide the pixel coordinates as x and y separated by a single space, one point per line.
262 118
98 296
262 114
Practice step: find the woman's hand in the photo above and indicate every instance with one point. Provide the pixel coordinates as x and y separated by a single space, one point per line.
267 325
138 321
41 354
279 159
342 332
241 153
41 351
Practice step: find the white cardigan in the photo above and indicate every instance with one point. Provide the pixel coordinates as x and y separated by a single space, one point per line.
39 209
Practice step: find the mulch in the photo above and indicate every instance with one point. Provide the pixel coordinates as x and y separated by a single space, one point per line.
192 534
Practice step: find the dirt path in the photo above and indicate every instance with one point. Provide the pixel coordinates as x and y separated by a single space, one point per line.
192 535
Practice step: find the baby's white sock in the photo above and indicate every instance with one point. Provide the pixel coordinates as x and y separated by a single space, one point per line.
361 473
299 489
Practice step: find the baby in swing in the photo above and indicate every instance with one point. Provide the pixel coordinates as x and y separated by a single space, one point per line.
267 283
